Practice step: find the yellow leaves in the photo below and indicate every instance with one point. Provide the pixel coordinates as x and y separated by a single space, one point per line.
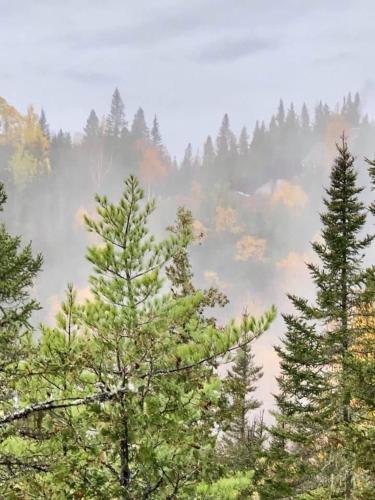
364 321
290 195
31 130
10 121
250 248
23 165
225 220
30 145
31 156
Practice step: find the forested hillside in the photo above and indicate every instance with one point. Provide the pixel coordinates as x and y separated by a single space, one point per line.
138 384
254 196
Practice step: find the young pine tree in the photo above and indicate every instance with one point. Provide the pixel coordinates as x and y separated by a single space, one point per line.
134 407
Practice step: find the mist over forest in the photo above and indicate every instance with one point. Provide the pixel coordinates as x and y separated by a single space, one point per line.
187 278
255 196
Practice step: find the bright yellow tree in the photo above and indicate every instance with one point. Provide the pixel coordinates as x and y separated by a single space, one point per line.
29 145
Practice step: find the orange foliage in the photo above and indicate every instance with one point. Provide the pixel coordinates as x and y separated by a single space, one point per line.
197 194
152 166
225 220
290 195
250 248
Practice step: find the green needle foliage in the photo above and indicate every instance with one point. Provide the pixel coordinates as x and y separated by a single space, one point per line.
316 411
18 269
131 399
241 447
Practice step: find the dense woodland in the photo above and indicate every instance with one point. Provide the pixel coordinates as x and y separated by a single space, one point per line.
123 394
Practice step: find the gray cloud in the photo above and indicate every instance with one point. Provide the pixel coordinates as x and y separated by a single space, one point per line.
148 31
343 56
231 49
173 58
96 77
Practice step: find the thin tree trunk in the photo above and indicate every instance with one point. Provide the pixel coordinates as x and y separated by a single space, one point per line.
124 455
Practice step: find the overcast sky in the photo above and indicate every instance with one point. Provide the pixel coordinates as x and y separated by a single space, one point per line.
189 61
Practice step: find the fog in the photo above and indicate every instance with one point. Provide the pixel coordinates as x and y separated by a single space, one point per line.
255 192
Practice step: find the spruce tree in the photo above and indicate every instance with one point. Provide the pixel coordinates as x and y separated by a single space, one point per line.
208 153
315 403
258 138
305 118
223 139
187 162
351 109
233 151
155 134
291 121
340 283
244 433
240 384
280 117
371 170
243 143
92 128
43 124
116 121
139 130
322 114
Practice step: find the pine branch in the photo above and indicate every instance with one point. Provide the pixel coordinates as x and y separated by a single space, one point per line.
55 404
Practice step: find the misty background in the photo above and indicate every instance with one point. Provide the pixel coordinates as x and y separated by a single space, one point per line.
205 70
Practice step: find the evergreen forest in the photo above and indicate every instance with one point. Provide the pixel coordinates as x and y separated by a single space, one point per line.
199 327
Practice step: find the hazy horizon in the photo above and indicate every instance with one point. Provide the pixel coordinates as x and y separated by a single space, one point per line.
187 63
